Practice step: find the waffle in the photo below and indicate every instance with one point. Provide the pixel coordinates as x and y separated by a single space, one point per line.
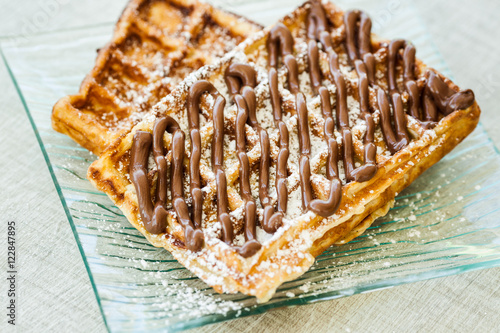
342 120
155 45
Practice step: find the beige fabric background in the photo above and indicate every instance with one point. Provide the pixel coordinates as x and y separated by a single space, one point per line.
54 293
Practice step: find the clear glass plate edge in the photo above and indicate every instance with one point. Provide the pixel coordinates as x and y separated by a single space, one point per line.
57 186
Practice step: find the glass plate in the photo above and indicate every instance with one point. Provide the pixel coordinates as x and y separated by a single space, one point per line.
443 224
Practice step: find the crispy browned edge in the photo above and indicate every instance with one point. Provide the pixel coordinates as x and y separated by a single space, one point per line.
68 119
392 177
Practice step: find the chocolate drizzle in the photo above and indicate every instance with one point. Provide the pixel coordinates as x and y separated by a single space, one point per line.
358 40
279 42
314 70
302 116
395 140
364 62
195 93
368 170
155 219
358 47
446 99
316 24
240 79
436 96
429 118
316 21
329 206
281 164
424 102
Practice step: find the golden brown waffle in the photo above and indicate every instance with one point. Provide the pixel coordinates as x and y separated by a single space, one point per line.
290 250
155 45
